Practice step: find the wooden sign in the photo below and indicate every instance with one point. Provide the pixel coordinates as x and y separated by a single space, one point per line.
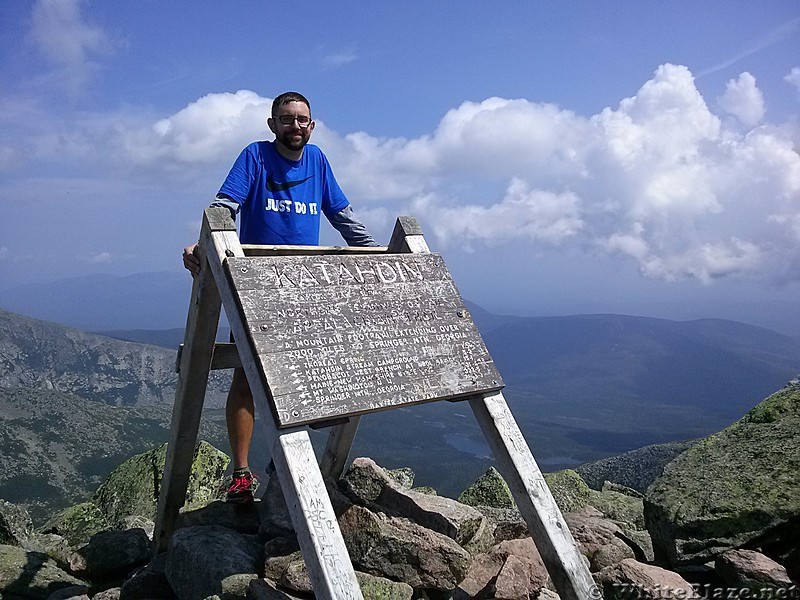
345 335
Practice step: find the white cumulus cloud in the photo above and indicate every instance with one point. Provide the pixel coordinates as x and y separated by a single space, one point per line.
793 78
659 179
212 129
743 100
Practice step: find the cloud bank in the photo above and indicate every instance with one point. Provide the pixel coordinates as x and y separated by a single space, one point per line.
659 180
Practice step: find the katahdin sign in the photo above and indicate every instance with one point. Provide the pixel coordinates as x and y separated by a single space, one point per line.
345 335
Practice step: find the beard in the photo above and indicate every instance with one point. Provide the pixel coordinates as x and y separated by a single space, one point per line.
293 140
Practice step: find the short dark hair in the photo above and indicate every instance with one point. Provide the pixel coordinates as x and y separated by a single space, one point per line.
287 97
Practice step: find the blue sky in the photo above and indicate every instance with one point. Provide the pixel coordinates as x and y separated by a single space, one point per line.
638 158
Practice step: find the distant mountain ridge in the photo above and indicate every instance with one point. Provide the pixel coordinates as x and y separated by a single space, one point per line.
38 354
582 388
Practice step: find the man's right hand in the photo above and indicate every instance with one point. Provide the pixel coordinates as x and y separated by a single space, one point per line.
191 260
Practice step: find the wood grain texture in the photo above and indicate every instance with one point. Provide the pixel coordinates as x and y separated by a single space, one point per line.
195 364
340 336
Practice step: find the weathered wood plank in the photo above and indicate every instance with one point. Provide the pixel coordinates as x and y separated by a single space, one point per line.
198 346
536 504
261 250
225 356
340 336
407 237
337 448
313 518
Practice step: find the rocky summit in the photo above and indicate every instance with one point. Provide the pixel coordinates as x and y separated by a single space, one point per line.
737 489
409 543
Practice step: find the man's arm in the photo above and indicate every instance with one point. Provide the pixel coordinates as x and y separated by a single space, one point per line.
190 260
351 229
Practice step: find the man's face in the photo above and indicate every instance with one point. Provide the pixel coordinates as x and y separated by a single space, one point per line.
292 136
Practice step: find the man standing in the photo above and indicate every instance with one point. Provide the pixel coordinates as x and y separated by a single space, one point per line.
280 189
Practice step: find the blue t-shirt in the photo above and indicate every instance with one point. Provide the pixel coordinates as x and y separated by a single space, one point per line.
280 200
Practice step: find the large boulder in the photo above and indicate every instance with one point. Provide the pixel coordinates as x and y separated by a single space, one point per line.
133 487
76 524
211 560
26 574
752 571
370 485
737 487
489 490
398 549
632 579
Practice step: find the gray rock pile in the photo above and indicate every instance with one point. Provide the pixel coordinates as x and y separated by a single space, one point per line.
409 543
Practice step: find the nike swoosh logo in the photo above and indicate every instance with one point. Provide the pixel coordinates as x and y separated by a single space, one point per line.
280 187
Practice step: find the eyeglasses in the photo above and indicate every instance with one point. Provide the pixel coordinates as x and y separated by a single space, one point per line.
302 120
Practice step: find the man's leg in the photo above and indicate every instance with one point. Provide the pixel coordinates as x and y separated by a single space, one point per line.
240 417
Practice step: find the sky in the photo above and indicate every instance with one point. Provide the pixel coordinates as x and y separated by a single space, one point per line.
564 157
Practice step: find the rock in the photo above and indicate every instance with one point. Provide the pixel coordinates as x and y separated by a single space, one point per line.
149 582
275 520
506 523
483 570
514 581
77 523
112 554
632 579
207 560
380 588
77 592
636 469
751 570
364 481
291 575
263 589
610 486
138 522
109 594
597 538
400 550
15 524
523 571
569 490
511 569
244 518
620 508
732 488
490 490
367 483
132 488
27 574
625 508
402 477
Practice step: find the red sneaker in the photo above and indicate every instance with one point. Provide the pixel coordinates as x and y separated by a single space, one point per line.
241 488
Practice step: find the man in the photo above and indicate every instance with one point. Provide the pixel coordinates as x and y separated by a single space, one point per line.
279 188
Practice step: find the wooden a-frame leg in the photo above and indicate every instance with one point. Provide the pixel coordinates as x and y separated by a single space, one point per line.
314 521
337 449
535 502
195 364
